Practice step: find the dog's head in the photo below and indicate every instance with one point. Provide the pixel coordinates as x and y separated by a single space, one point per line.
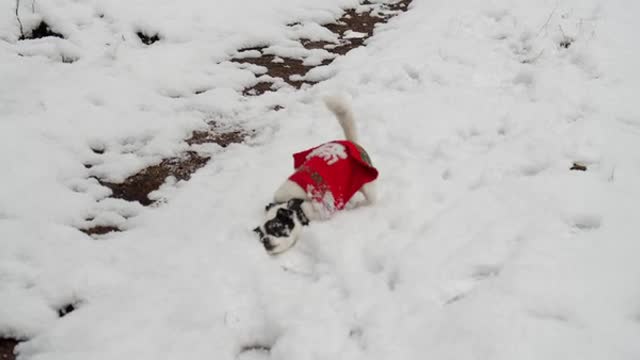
282 225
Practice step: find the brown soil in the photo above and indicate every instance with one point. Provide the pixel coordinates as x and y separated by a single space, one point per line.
255 348
401 5
579 167
136 187
6 348
258 89
311 45
65 310
251 48
100 230
284 67
359 22
277 67
98 150
147 39
41 31
218 136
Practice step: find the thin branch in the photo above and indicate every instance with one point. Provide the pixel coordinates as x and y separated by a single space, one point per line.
18 18
546 23
533 59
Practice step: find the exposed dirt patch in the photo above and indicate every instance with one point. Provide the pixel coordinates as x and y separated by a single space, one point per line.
98 150
578 167
68 59
6 348
254 351
353 28
353 21
136 187
100 230
258 89
566 42
148 39
65 310
41 31
401 5
277 67
311 45
256 347
218 135
252 48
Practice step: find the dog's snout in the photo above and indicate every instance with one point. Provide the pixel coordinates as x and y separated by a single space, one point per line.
267 244
264 239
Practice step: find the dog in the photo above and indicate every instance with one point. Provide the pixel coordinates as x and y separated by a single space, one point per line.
325 178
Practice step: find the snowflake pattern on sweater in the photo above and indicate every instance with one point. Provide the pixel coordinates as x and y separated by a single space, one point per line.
330 152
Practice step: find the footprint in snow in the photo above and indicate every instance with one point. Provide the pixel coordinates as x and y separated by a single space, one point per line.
479 273
586 222
254 352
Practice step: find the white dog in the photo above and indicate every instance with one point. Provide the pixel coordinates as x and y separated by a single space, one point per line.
326 177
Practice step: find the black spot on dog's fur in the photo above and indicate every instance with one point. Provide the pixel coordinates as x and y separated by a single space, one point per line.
296 205
281 225
284 213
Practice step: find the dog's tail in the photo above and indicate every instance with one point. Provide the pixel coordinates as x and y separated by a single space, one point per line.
341 109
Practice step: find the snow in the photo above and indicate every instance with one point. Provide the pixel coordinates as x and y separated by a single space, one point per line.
483 245
354 34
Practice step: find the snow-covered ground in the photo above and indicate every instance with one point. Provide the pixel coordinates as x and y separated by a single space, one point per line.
484 245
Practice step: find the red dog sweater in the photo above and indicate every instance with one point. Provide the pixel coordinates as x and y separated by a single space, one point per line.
333 172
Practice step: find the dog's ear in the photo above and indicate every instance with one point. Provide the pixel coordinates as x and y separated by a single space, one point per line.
296 206
284 213
269 206
294 203
258 231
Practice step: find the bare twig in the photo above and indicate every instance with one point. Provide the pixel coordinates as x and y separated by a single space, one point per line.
546 23
531 60
562 31
18 18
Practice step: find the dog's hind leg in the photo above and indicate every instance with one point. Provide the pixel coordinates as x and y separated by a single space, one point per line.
369 192
289 190
310 211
